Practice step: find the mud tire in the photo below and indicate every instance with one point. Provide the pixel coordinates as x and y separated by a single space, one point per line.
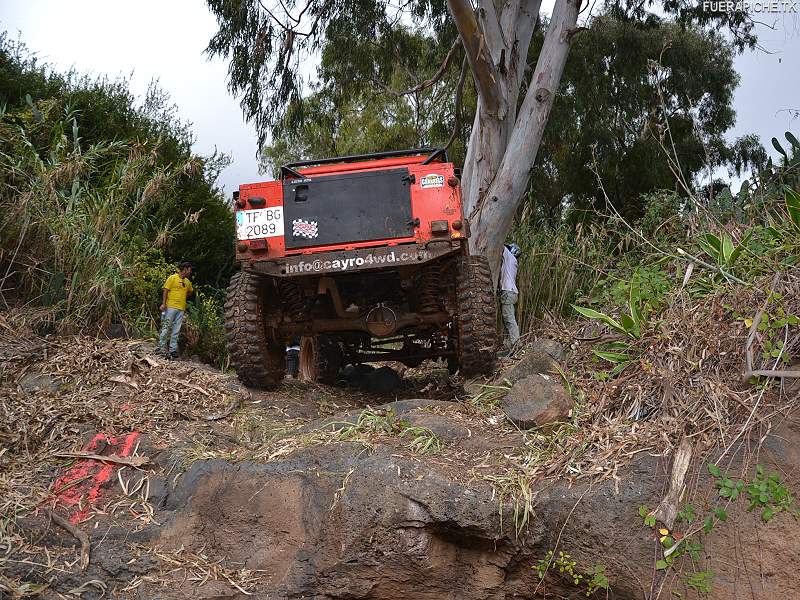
321 359
257 353
475 330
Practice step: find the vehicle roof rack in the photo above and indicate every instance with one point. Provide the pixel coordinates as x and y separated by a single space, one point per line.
289 168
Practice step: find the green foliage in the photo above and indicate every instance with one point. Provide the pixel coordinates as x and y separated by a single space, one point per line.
620 354
99 196
630 324
773 326
558 265
765 493
422 439
80 211
205 327
339 118
101 112
662 216
687 514
792 200
701 581
722 249
365 51
142 296
648 519
768 494
593 578
625 82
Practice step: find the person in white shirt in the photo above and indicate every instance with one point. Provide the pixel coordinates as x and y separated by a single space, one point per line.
508 291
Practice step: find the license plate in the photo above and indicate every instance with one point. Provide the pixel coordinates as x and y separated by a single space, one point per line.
259 223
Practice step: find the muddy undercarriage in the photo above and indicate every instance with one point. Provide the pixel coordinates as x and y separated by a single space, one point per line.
442 308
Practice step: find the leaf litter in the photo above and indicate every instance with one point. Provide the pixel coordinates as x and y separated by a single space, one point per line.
686 381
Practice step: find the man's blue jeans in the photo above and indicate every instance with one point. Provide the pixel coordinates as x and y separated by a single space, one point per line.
172 319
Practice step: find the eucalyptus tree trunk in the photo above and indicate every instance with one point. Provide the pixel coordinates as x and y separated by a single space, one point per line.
503 144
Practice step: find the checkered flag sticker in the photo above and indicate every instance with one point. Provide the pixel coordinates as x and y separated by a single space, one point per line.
303 228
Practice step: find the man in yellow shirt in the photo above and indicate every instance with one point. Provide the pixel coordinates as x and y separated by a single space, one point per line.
173 305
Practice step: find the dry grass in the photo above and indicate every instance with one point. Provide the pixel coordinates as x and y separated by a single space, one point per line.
194 568
686 381
56 390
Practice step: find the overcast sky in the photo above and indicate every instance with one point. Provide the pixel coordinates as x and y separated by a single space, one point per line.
165 40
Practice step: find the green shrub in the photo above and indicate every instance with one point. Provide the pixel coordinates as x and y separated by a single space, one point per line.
205 327
142 295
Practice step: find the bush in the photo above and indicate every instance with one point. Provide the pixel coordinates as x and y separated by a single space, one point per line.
205 327
142 296
99 195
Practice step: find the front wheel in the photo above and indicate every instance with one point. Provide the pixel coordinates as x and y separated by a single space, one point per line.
475 330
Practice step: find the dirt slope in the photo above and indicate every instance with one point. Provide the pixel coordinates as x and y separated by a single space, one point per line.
320 492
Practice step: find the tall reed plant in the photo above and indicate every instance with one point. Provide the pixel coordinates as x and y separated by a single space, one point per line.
74 218
556 266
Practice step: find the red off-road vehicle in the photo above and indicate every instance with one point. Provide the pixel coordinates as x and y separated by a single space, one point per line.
365 259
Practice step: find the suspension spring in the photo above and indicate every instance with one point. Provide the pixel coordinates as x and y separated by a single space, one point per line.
293 300
429 290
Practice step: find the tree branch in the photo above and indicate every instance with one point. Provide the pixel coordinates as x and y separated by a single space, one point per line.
480 61
428 82
457 103
495 40
291 32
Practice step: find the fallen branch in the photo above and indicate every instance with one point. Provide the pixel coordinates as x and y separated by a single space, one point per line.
668 508
130 461
194 387
703 263
771 373
76 533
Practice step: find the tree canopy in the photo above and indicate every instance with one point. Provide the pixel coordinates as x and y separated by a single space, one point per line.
288 60
625 82
106 110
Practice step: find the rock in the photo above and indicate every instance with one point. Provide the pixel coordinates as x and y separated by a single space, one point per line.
40 382
381 381
532 363
401 407
331 522
444 428
353 374
536 400
365 526
550 347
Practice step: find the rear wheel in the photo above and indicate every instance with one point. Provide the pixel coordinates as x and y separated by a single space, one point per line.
476 334
256 349
320 359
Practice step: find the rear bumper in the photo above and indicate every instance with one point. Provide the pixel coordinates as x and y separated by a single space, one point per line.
349 261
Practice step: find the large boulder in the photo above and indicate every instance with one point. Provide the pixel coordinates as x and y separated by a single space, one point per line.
531 363
537 400
335 522
374 526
